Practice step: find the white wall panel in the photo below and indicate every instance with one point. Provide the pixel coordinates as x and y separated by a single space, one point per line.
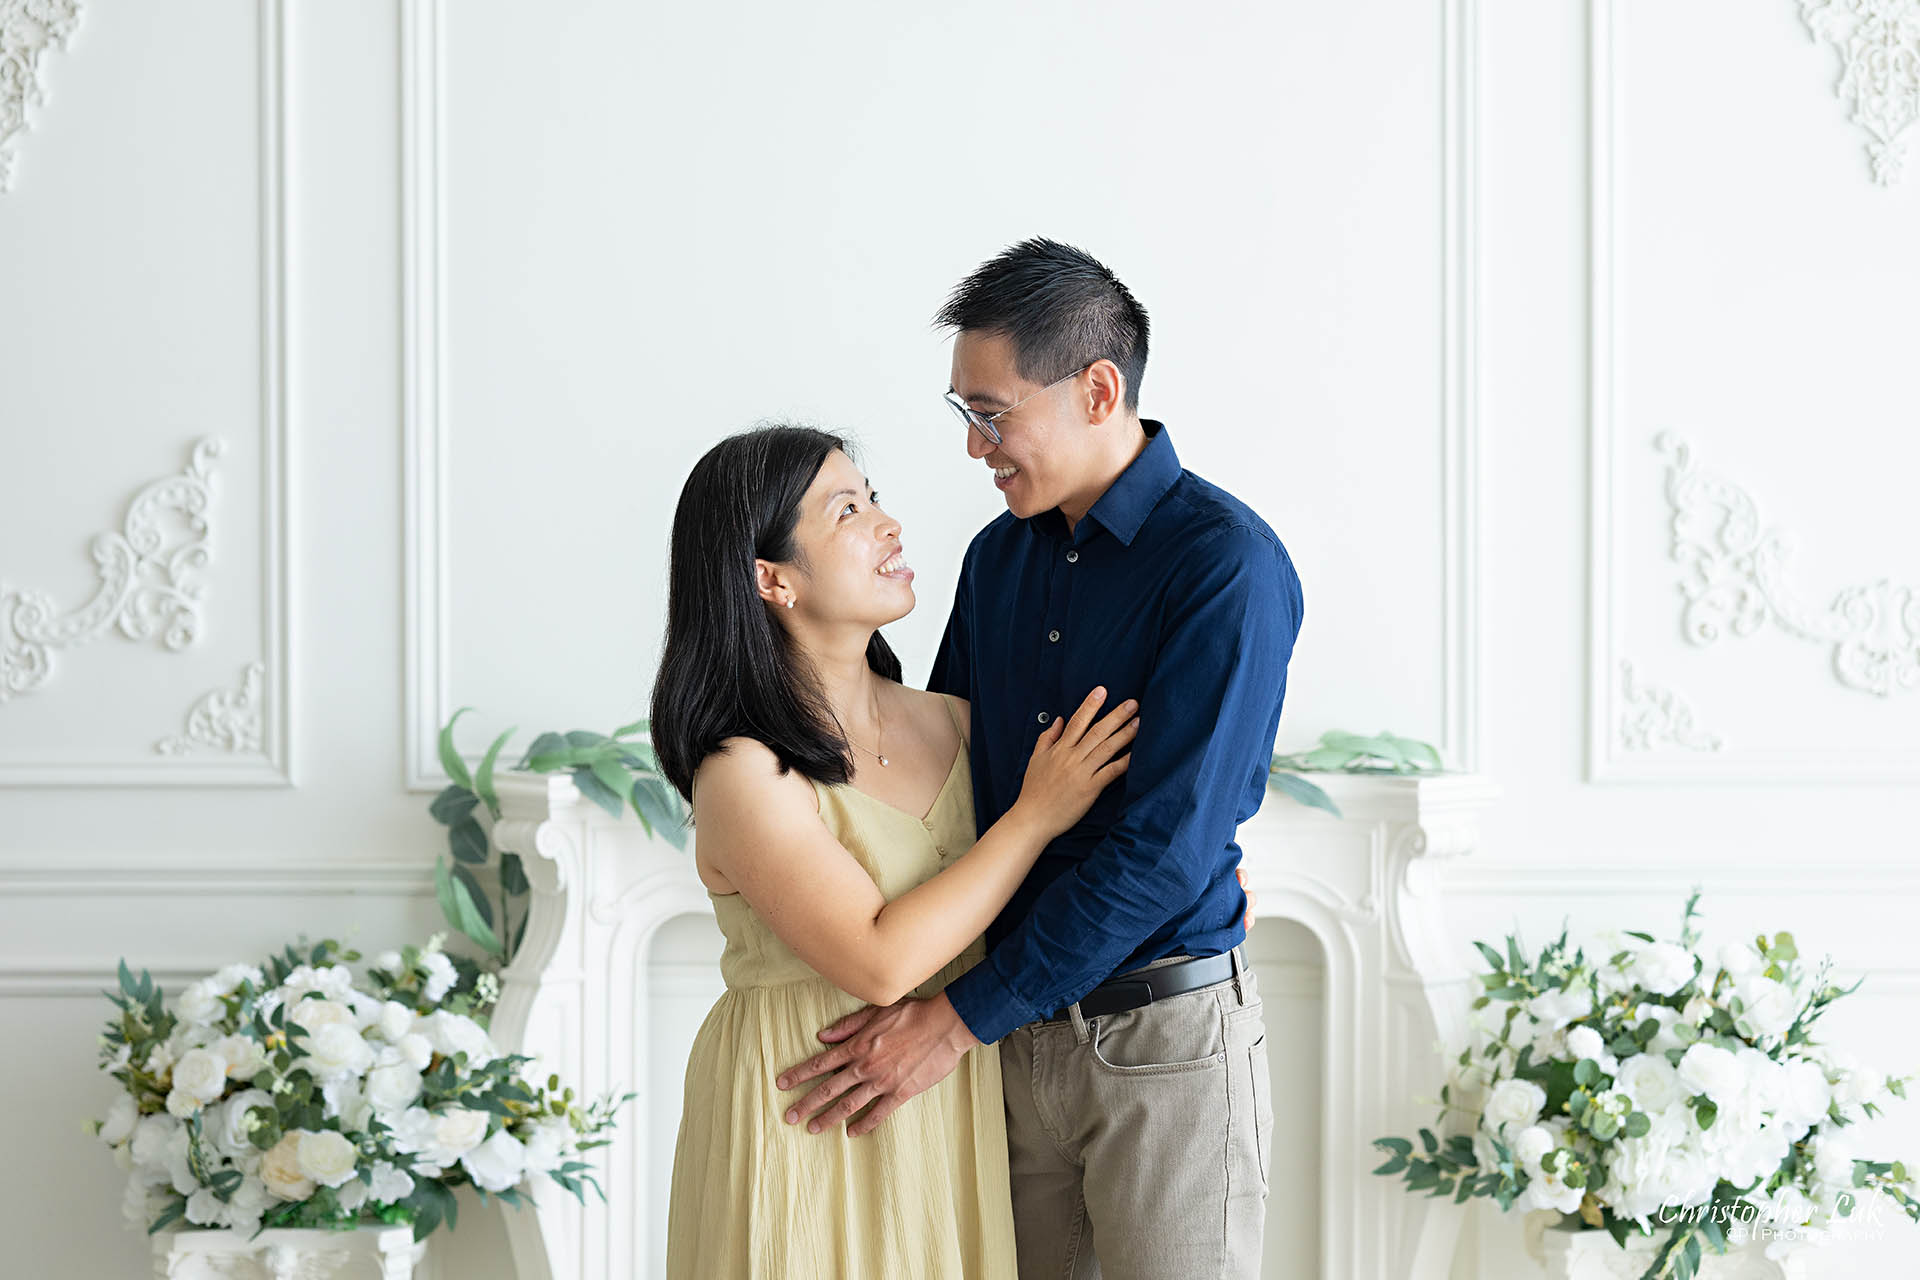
143 554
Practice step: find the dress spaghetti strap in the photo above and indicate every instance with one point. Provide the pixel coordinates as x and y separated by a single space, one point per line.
947 702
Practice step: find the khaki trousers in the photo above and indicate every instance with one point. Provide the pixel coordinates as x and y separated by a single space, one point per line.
1139 1143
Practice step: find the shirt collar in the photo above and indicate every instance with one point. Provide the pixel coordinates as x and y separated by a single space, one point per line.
1124 507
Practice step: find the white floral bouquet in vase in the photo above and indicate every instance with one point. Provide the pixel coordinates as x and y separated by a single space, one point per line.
1655 1090
297 1094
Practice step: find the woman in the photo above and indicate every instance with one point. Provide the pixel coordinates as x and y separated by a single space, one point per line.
834 808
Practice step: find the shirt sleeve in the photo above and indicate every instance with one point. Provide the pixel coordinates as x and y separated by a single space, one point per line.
953 661
1207 720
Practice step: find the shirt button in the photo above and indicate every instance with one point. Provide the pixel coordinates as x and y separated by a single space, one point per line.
1072 556
1054 636
1043 717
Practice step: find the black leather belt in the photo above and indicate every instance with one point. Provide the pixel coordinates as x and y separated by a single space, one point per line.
1121 994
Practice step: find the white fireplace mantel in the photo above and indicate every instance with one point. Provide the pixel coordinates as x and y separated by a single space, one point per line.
1363 885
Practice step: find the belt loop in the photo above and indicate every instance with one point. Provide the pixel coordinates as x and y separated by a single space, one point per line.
1239 967
1080 1033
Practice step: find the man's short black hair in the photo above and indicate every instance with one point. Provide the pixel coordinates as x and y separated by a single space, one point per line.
1061 308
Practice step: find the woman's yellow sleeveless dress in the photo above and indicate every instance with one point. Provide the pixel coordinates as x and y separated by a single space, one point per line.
924 1196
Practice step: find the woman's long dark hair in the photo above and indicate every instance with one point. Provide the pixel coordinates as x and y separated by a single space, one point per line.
728 668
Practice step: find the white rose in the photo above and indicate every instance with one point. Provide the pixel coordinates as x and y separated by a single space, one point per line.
231 976
1585 1042
452 1033
149 1142
231 1137
1768 1008
395 1021
438 1139
1857 1087
344 1098
280 1168
141 1203
1697 1010
1804 1094
1738 959
1789 1207
1529 1145
1649 1079
202 1073
1516 1103
244 1055
199 1003
1667 1018
315 1015
122 1114
337 1051
497 1163
1556 1008
1833 1160
416 1051
389 1184
1661 967
1655 1169
1711 1070
248 1202
204 1208
179 1166
326 1157
458 1131
441 975
393 1088
366 1010
333 981
1751 1153
549 1143
1548 1192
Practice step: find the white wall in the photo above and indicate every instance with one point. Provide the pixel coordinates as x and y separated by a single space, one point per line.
466 288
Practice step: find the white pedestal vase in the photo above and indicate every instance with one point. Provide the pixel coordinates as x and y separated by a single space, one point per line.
287 1253
1593 1255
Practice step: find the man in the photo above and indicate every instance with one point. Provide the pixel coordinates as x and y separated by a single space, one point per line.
1131 1039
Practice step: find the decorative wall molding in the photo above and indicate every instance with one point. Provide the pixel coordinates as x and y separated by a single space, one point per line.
423 365
1461 459
1652 717
1608 759
272 764
88 877
1879 46
1671 879
1735 581
224 719
28 28
148 580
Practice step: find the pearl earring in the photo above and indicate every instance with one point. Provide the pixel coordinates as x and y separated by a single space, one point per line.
789 602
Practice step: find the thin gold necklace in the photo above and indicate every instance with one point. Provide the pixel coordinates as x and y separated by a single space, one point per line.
881 737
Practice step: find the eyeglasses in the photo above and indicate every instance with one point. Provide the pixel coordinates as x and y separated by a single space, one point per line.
983 422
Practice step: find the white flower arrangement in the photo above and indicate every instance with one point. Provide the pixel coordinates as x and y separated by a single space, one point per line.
295 1095
1659 1089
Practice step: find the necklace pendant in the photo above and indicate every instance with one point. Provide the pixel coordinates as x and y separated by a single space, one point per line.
883 759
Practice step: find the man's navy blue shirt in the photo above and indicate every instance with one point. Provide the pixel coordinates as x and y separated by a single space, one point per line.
1171 591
